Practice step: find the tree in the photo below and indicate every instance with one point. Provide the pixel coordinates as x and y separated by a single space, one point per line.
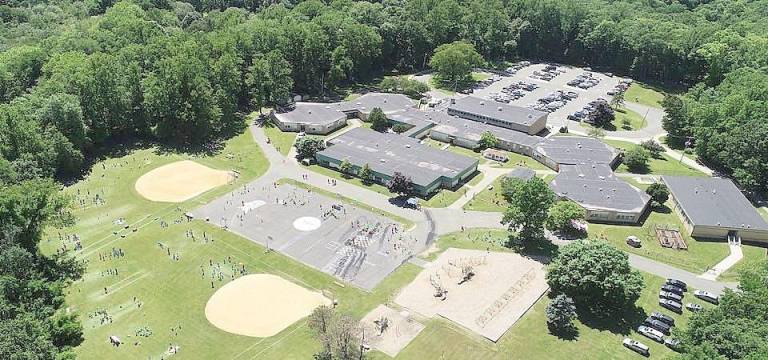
602 115
658 192
636 159
488 140
400 184
308 146
346 167
401 128
596 275
365 175
339 334
653 147
617 100
453 63
269 79
596 132
529 201
736 329
562 215
560 314
675 121
378 120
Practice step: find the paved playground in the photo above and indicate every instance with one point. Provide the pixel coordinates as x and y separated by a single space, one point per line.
350 243
504 286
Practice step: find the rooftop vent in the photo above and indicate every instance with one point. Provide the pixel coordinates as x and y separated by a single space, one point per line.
530 116
309 111
499 108
383 160
482 103
408 146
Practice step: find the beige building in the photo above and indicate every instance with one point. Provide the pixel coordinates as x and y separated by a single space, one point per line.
714 208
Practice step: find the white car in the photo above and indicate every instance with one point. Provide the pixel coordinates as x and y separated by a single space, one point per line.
636 346
651 333
707 296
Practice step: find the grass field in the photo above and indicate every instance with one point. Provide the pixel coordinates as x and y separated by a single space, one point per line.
644 94
446 197
529 337
492 199
666 165
282 141
753 255
700 256
634 119
172 292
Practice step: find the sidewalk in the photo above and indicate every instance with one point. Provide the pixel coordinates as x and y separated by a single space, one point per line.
734 257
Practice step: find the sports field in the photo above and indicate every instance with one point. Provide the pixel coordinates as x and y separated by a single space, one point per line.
151 272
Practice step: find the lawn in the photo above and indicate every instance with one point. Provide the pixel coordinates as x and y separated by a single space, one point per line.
173 293
480 76
700 256
636 121
753 255
492 199
446 197
644 94
282 141
529 338
665 165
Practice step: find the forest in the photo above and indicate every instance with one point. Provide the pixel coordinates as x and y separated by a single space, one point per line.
82 79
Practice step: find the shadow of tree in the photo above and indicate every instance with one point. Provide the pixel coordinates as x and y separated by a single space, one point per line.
621 321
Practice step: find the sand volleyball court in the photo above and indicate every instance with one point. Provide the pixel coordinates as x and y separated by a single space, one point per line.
180 181
261 305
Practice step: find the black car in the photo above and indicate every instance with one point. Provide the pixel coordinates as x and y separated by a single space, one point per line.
663 318
671 305
656 324
678 283
673 289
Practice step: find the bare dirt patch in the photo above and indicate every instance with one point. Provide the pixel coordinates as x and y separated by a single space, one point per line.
502 288
180 181
261 305
389 330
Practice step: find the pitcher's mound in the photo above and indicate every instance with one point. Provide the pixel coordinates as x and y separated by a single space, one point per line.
180 181
261 305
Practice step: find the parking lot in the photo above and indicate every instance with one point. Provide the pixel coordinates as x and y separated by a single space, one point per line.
543 88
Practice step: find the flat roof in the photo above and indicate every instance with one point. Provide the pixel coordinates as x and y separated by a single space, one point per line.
575 150
714 202
596 187
500 111
473 130
389 153
312 113
386 102
520 172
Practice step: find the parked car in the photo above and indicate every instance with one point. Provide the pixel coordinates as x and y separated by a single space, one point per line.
656 324
678 283
663 318
634 242
673 289
636 346
693 307
651 333
672 343
670 296
671 305
707 296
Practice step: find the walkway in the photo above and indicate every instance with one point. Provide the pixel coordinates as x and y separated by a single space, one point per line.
734 257
490 174
438 221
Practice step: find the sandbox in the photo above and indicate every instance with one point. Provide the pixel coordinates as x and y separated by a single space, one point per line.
399 331
260 305
180 181
503 288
